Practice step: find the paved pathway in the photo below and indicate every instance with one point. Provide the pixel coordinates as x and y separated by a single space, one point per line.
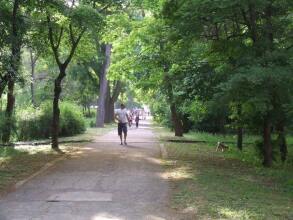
105 181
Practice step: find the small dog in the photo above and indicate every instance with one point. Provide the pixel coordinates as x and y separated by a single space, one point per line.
222 147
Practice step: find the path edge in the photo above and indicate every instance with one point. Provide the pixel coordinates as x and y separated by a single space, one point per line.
20 183
40 171
164 153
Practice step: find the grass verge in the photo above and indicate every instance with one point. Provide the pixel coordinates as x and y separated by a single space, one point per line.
19 163
230 185
22 161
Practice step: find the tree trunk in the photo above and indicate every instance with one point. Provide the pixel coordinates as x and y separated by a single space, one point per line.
109 116
239 129
3 85
111 111
62 73
267 145
9 112
14 66
107 105
240 138
280 128
89 110
106 50
111 101
33 65
56 110
178 127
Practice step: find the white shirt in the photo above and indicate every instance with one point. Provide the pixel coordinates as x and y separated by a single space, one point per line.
122 115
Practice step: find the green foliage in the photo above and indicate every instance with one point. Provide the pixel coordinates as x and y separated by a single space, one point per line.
230 184
6 122
72 121
36 123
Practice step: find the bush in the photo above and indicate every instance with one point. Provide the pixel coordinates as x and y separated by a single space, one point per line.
36 123
5 122
92 124
28 124
72 121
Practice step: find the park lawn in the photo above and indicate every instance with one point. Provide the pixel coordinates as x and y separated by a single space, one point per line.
229 185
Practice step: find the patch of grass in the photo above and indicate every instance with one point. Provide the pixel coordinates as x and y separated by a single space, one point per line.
87 136
18 163
90 133
165 134
229 185
22 161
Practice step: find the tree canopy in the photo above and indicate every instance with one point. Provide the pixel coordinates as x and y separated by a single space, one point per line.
214 66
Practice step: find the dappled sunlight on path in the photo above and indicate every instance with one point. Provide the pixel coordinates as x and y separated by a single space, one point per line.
103 180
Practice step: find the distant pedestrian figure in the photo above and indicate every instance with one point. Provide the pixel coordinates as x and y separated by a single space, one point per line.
137 120
130 120
122 117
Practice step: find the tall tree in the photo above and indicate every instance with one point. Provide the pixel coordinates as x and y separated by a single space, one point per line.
33 61
111 98
66 26
105 56
16 40
246 38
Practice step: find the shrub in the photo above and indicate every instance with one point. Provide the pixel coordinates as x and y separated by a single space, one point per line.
28 124
92 124
72 121
5 122
36 123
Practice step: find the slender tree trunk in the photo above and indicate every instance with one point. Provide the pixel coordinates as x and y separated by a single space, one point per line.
252 21
111 111
89 110
9 112
267 145
56 110
240 138
14 66
106 49
116 92
84 110
280 128
239 129
178 127
62 73
10 98
33 65
3 85
107 104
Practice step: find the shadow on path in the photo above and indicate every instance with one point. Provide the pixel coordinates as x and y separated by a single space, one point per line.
103 180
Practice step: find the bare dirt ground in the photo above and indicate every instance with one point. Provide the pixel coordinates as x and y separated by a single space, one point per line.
102 181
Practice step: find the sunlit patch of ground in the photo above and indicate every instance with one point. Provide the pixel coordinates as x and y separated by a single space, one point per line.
216 185
177 173
18 163
22 161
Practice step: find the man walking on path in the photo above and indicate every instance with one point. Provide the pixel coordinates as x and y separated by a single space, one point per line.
122 117
137 120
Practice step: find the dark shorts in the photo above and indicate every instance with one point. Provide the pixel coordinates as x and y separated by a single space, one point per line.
122 127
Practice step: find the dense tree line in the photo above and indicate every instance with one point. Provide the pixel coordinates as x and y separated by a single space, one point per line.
214 66
219 66
62 50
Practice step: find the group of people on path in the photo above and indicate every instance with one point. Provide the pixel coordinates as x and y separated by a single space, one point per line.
136 118
123 118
